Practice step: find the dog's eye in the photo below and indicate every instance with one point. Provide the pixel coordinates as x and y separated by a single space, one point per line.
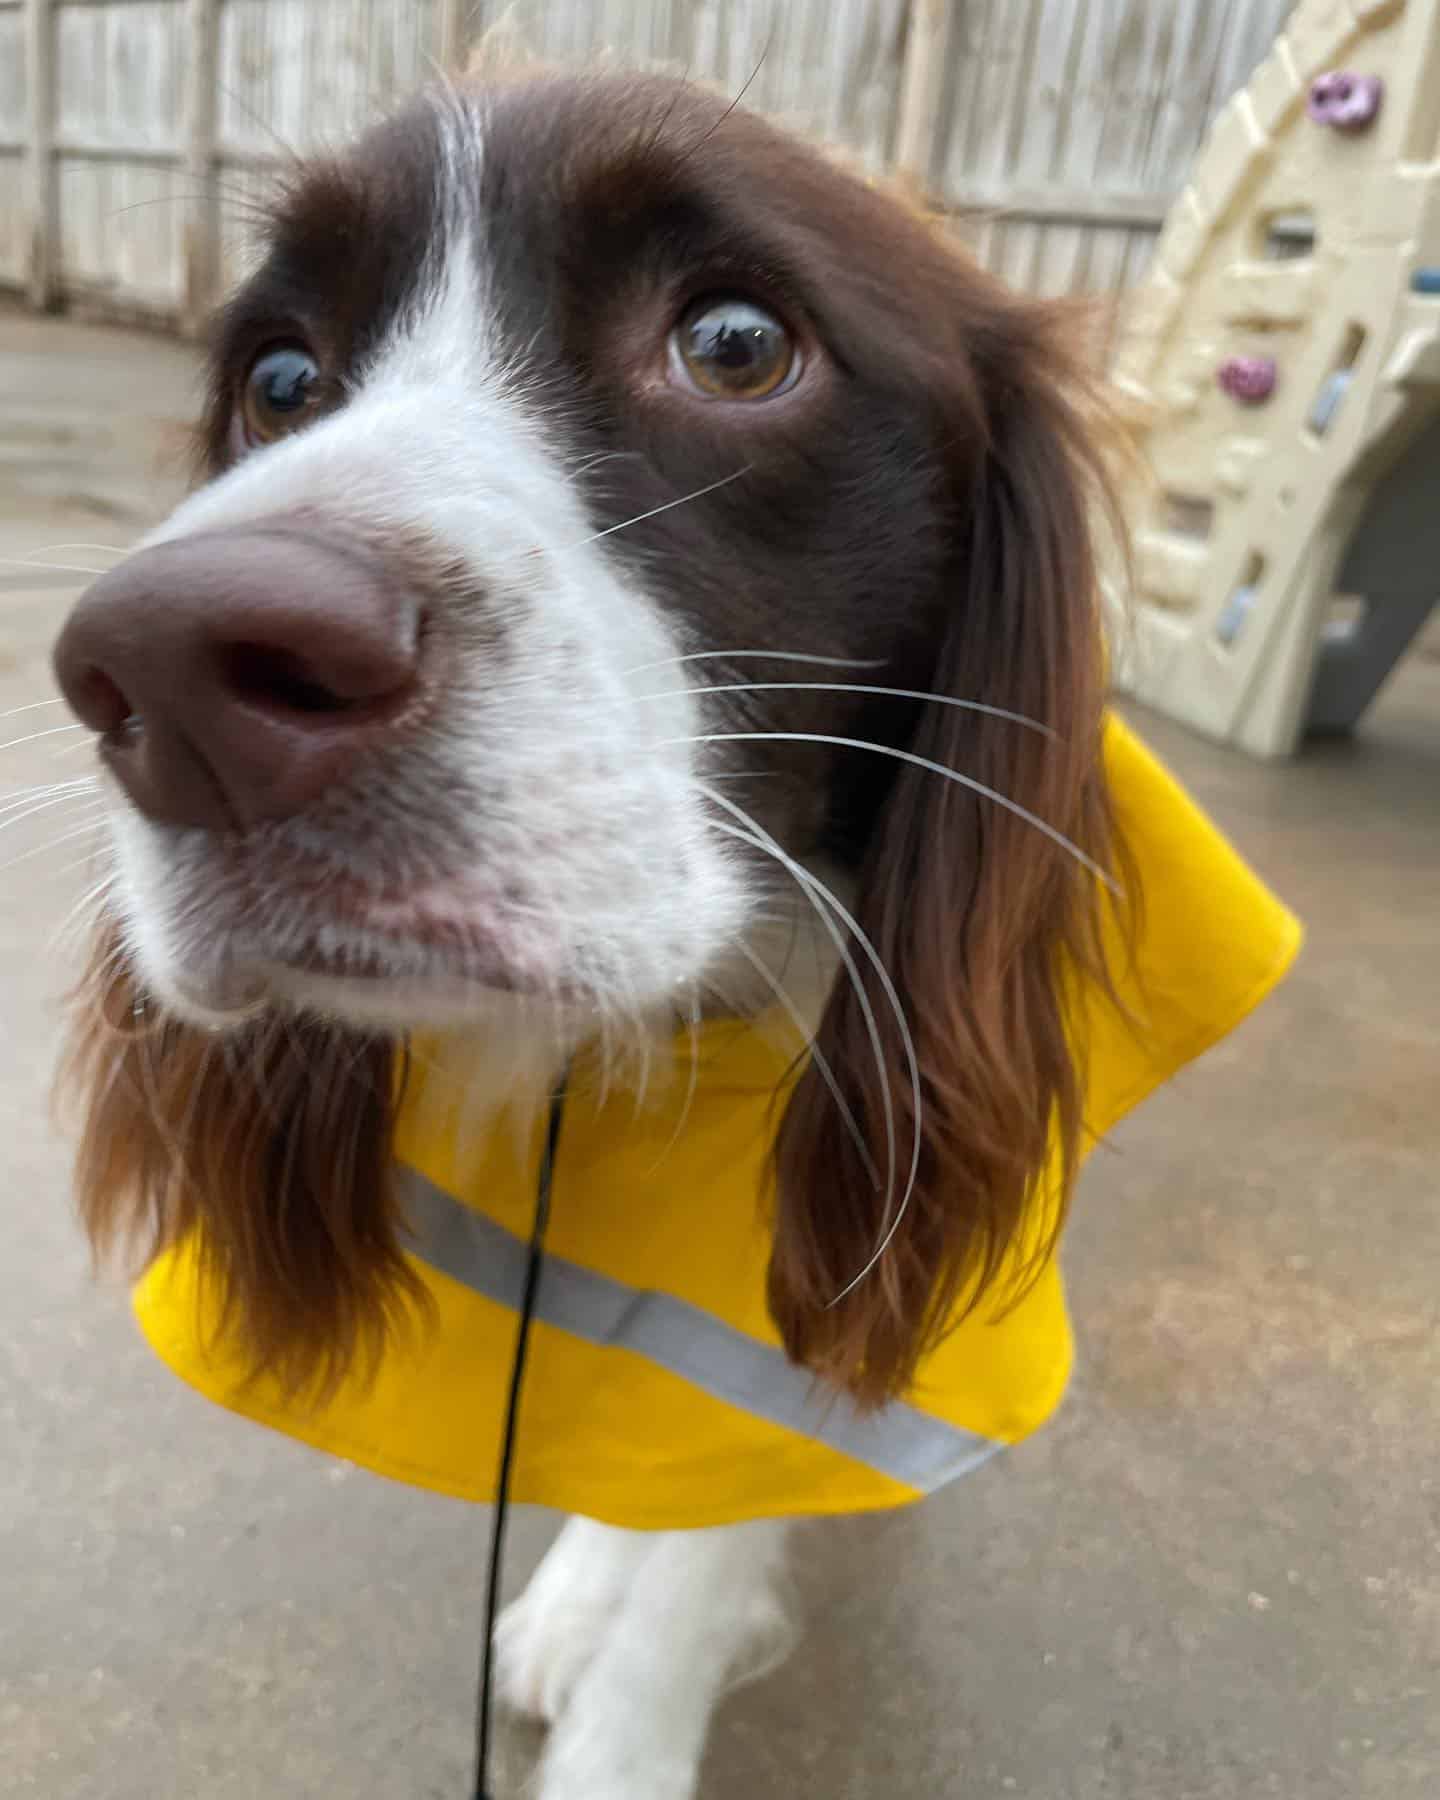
280 392
733 349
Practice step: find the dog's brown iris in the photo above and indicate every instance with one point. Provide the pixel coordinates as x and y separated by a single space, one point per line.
733 349
280 392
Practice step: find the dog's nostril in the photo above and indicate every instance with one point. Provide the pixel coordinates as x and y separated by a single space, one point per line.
129 731
101 703
269 677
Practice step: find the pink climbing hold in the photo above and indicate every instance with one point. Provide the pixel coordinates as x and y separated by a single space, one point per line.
1249 378
1344 100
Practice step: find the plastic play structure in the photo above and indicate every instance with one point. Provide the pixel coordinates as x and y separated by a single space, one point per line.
1285 352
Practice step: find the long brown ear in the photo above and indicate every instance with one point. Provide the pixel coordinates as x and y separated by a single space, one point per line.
977 913
274 1143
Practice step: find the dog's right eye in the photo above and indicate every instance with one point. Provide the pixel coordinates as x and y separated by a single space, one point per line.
280 393
728 347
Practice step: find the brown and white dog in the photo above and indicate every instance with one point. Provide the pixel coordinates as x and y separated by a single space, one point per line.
608 504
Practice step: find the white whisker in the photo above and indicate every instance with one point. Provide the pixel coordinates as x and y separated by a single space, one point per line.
34 706
815 887
52 549
591 463
81 912
855 687
691 1016
35 736
743 775
692 1083
655 511
90 825
24 562
642 1087
817 892
817 1056
45 790
792 656
87 743
12 818
920 762
87 861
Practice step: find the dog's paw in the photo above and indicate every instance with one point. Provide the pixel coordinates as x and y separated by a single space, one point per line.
606 1747
547 1639
542 1648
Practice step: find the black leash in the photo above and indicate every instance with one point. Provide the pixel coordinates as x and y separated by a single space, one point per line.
486 1699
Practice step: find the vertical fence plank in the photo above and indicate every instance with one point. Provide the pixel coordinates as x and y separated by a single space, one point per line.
42 182
457 26
922 81
201 127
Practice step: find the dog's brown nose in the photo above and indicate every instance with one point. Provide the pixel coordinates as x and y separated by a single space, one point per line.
233 677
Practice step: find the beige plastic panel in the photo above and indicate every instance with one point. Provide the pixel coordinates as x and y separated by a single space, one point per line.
1297 242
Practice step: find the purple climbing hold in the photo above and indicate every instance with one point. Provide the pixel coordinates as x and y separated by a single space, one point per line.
1344 100
1249 378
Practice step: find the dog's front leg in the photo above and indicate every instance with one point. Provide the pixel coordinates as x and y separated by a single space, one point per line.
703 1612
547 1639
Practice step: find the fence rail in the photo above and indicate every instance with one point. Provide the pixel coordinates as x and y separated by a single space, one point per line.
134 132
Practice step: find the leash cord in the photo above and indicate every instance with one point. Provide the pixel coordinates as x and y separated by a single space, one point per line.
485 1700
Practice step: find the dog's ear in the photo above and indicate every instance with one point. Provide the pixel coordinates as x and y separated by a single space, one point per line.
981 898
271 1145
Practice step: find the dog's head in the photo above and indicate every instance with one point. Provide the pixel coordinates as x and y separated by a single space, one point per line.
609 509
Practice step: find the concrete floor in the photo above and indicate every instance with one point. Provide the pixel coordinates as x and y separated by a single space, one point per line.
1217 1578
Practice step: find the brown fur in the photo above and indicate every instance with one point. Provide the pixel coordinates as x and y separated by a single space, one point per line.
981 921
271 1145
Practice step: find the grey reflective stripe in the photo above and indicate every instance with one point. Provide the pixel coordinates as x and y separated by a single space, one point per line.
900 1441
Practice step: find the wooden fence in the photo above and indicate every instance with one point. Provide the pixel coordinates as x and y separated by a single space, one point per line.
132 132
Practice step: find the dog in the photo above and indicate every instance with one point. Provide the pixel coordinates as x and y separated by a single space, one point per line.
634 561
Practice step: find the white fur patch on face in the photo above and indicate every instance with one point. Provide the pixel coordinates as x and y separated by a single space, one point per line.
542 830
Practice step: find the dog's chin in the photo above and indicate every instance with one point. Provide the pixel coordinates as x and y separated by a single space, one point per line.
232 997
404 1002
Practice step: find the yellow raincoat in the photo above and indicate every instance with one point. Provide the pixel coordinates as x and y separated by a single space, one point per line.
657 1395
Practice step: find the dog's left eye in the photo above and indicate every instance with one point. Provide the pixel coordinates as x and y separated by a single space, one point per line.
731 348
280 392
